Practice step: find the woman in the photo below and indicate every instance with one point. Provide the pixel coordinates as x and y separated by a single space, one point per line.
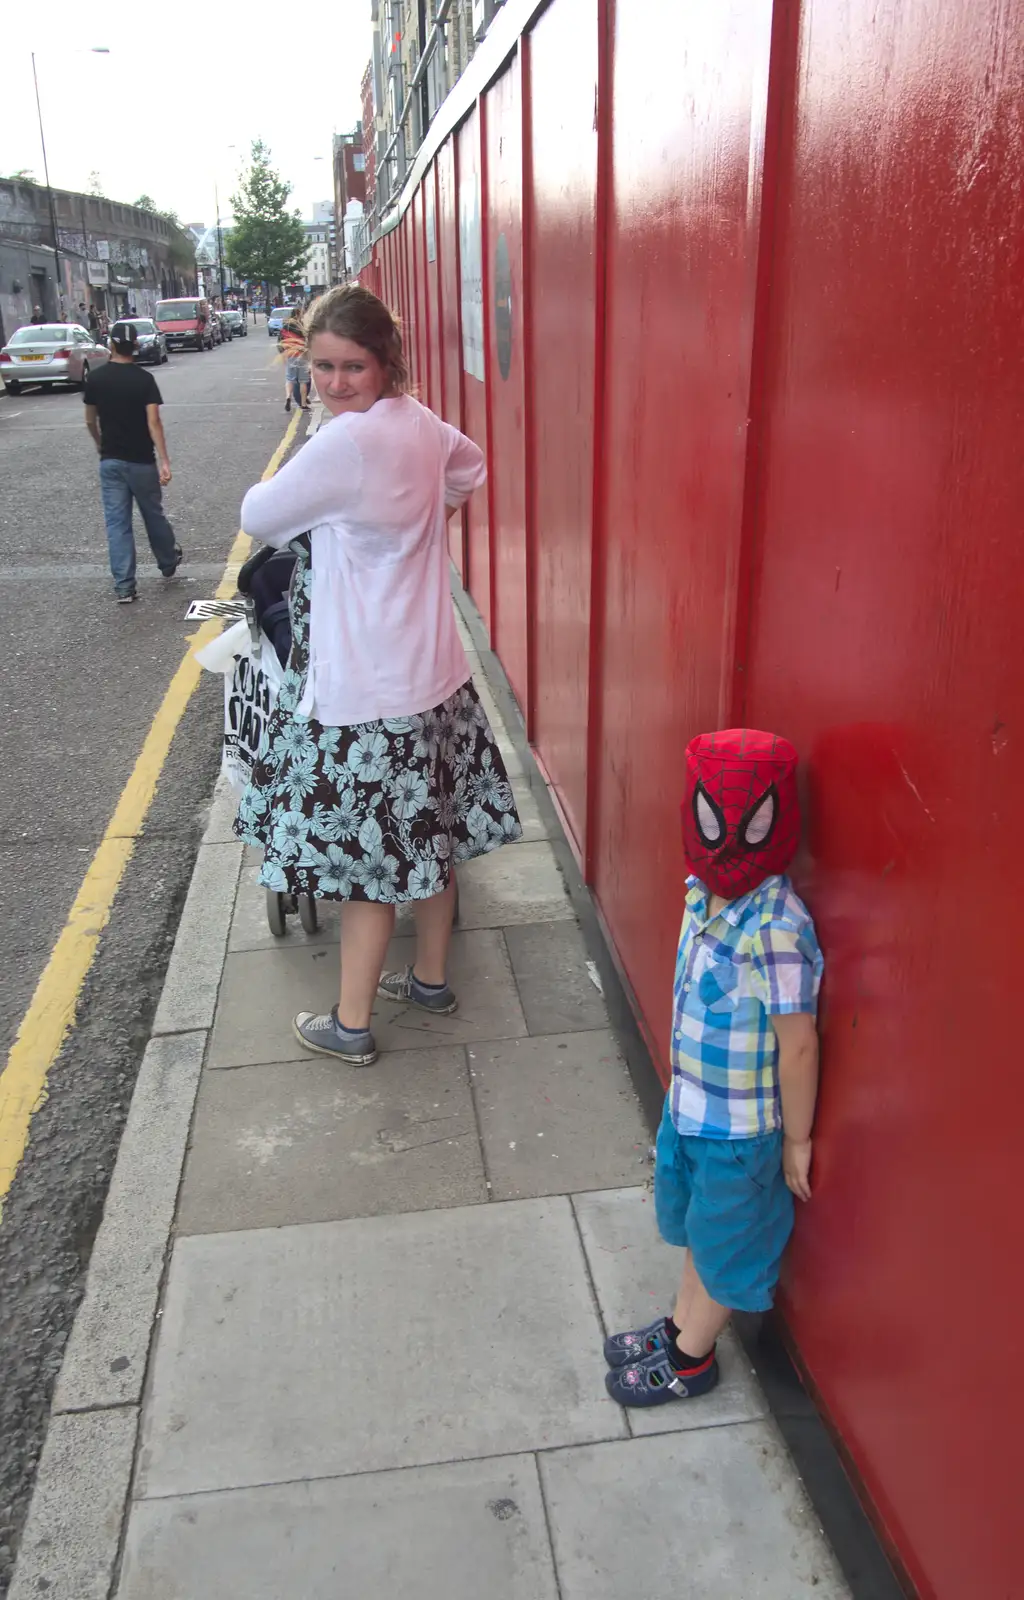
292 344
378 770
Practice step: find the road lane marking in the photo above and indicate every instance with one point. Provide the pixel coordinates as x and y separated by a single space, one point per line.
51 1012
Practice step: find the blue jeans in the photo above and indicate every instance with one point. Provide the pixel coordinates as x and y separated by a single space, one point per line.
121 482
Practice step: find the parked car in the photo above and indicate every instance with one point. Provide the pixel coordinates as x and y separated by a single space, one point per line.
53 352
278 317
185 323
152 346
237 323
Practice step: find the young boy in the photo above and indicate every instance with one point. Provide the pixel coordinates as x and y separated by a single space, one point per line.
734 1145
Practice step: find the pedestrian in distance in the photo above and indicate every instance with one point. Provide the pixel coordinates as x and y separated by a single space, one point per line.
122 413
37 318
94 321
378 771
292 345
734 1145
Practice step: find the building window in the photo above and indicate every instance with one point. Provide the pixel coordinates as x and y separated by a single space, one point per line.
359 162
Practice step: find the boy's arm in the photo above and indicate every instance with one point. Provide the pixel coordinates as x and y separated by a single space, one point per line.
797 1034
156 433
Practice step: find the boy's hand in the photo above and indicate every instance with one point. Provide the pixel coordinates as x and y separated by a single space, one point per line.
165 473
796 1166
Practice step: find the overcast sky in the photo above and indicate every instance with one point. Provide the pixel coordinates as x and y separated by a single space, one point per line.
159 114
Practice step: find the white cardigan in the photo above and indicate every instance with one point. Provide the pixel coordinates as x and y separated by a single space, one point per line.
372 486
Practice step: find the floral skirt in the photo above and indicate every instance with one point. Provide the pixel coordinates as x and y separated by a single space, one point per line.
378 811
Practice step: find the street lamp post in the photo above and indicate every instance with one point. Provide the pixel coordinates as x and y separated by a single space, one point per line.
220 244
96 50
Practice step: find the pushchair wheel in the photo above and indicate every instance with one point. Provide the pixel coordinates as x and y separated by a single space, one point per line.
307 912
277 908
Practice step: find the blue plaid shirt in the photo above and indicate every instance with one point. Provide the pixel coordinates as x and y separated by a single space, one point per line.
756 959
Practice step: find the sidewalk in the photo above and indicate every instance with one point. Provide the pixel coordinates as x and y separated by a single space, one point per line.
376 1364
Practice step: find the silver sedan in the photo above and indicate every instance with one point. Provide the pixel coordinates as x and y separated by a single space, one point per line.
48 353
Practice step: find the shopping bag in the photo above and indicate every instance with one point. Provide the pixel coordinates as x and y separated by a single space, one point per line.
252 678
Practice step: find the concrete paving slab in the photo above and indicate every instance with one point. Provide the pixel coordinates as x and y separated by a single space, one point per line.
70 1543
105 1359
636 1276
189 995
549 961
715 1514
308 1141
250 929
262 989
223 810
516 884
557 1114
534 825
457 1530
291 1353
502 736
468 642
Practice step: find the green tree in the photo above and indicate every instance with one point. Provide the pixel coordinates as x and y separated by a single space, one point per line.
145 202
96 185
268 242
23 175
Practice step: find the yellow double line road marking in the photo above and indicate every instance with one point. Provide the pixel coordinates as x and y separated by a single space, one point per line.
51 1013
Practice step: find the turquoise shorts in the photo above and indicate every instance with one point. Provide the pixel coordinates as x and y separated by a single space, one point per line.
726 1201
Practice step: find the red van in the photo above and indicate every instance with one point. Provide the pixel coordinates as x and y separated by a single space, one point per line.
185 323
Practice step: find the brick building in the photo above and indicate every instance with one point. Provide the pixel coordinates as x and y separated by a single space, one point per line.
402 30
116 257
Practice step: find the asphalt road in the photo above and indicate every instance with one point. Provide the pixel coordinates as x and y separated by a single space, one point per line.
81 680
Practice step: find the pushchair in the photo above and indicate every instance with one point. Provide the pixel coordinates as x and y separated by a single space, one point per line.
263 584
252 653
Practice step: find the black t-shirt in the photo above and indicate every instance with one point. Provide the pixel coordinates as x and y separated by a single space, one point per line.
121 391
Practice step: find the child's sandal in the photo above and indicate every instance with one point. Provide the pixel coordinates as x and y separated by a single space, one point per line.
622 1348
655 1381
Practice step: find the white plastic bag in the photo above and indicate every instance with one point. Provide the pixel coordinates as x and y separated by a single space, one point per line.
251 683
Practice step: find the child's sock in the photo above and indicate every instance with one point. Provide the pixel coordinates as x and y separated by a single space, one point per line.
672 1330
428 988
681 1362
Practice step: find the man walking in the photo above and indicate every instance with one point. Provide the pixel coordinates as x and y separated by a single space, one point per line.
122 413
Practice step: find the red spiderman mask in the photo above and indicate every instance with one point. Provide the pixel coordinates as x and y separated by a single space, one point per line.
741 814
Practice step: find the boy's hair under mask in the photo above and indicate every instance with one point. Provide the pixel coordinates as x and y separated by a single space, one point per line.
741 812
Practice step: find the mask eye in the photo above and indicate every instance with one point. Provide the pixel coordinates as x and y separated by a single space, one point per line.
709 819
757 824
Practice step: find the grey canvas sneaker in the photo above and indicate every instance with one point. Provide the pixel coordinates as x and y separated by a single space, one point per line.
322 1034
403 988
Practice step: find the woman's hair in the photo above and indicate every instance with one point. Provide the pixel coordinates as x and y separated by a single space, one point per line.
352 312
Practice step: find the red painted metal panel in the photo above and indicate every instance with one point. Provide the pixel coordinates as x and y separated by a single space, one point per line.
451 321
405 292
432 298
681 266
470 195
414 224
886 642
388 250
503 243
560 343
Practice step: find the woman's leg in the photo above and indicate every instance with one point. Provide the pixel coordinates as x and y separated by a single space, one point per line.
304 395
433 919
366 930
